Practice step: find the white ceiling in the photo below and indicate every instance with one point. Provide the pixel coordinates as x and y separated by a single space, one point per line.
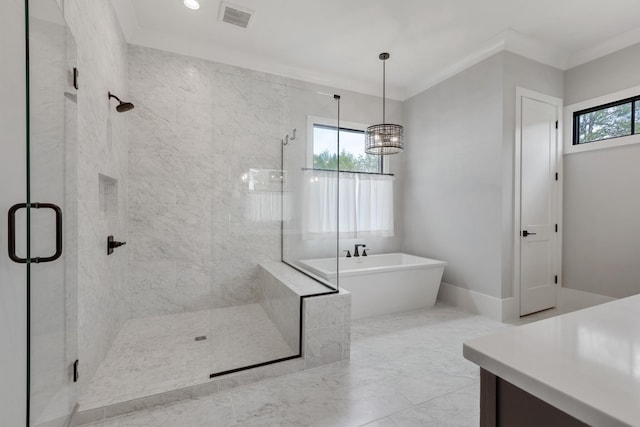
337 42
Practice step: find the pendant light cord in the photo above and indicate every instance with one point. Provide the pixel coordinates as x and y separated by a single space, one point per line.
384 95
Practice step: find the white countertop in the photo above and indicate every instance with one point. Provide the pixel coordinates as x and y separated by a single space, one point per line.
586 363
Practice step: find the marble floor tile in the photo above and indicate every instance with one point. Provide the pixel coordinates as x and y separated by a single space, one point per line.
384 422
460 408
243 336
158 354
406 369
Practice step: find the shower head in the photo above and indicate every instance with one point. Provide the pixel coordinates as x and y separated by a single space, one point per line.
122 106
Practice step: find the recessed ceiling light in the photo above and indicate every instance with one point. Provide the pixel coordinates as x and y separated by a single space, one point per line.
192 4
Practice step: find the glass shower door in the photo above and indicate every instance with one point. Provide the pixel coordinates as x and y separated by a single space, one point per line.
50 216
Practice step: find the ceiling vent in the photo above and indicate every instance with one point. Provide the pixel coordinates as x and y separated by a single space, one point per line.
235 15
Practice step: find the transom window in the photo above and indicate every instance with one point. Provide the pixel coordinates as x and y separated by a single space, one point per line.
352 155
608 121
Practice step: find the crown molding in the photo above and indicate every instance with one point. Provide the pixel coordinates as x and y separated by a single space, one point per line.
607 47
534 49
488 49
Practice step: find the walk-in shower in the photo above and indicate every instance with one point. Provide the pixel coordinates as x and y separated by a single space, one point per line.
204 179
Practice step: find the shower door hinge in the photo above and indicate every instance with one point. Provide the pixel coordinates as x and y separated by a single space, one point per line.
556 124
556 176
556 228
75 78
555 280
76 374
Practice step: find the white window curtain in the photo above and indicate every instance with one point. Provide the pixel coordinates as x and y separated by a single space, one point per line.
366 205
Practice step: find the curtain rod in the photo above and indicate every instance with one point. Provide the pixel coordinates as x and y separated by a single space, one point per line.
333 170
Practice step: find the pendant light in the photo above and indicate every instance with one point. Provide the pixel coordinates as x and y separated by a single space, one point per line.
384 138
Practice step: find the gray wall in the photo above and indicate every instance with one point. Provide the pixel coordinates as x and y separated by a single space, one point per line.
12 170
602 76
453 176
601 204
458 192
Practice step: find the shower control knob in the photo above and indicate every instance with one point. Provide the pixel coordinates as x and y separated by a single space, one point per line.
112 244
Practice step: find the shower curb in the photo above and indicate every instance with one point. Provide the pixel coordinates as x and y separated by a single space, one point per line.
213 386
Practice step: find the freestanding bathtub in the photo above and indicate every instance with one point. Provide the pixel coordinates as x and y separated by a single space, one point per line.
384 283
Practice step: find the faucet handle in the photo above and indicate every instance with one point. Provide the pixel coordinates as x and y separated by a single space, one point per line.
358 245
364 252
348 253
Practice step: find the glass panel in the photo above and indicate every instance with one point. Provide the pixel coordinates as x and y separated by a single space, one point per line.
253 318
310 214
637 114
52 147
603 124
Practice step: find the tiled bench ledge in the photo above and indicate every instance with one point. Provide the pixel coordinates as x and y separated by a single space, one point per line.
326 330
326 326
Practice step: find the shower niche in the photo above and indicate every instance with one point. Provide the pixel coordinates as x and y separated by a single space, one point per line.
108 196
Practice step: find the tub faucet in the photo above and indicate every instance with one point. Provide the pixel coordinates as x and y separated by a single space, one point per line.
356 252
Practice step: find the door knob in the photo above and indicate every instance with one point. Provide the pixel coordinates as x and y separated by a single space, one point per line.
525 233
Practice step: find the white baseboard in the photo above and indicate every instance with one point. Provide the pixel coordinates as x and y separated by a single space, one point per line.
573 299
475 302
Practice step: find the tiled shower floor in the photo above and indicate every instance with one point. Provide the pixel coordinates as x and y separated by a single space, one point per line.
158 354
406 370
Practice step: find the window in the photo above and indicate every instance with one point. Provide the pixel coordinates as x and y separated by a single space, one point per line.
358 201
608 121
352 155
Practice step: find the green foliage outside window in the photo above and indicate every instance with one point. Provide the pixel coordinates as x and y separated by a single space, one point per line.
348 162
607 123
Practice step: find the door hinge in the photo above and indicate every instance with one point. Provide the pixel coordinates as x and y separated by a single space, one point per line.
555 280
75 78
556 228
76 373
556 124
556 176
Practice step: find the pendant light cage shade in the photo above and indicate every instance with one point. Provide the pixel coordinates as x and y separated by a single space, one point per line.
383 139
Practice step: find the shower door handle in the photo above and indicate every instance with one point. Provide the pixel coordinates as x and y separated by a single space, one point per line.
12 232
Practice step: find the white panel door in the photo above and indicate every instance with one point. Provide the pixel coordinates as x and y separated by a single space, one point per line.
538 210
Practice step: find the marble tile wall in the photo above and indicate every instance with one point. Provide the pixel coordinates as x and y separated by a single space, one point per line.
326 325
198 131
327 329
102 149
282 305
